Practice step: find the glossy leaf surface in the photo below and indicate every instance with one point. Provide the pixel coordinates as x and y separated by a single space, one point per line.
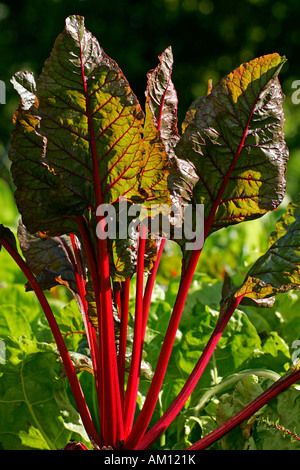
83 140
236 144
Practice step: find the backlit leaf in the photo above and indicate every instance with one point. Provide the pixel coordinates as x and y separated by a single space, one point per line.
35 410
83 140
48 258
278 270
236 144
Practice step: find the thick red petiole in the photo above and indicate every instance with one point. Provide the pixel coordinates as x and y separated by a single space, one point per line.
151 281
123 337
134 373
90 330
145 415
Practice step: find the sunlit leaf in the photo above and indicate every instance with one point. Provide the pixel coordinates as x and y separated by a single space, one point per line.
236 144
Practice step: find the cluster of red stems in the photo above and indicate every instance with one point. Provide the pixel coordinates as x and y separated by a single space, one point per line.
117 404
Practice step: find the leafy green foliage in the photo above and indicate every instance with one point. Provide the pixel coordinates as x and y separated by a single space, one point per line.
81 139
264 335
250 350
33 400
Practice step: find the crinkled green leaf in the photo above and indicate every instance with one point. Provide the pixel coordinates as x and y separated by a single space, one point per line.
85 119
236 145
35 410
162 105
162 100
278 270
245 392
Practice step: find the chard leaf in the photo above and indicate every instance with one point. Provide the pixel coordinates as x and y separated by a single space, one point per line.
162 105
155 170
83 141
162 100
278 270
236 145
48 258
38 190
88 112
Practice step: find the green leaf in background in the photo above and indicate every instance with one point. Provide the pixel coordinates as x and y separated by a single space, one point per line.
236 145
260 431
70 322
9 212
35 410
241 351
20 311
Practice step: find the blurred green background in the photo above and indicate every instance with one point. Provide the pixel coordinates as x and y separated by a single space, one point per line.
209 39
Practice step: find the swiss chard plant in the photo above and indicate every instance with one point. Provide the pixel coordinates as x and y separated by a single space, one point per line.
84 156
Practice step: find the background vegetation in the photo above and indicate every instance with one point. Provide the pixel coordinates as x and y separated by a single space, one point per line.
209 39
